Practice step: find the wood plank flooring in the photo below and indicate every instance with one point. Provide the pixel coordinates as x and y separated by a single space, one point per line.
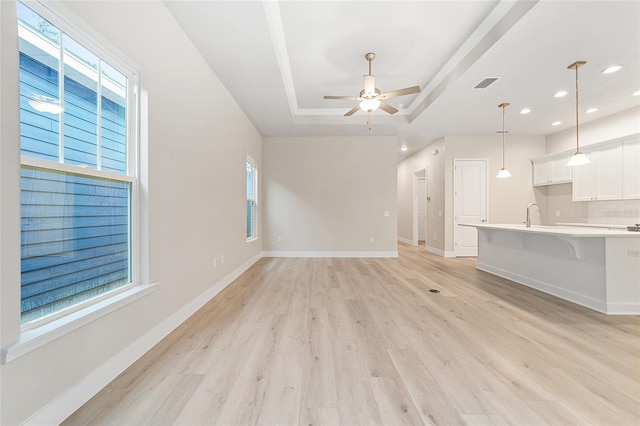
364 342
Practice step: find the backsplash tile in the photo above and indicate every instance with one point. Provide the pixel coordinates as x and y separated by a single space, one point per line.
622 212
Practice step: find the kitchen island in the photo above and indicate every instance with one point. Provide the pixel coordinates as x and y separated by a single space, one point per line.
596 268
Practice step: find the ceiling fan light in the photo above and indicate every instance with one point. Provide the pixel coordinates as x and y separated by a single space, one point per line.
503 173
578 159
369 105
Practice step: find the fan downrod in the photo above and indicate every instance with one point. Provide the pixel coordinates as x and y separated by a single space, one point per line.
370 57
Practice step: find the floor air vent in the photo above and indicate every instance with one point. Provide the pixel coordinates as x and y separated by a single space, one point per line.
486 82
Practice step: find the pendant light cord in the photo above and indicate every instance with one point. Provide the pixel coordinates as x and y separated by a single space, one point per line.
503 136
577 131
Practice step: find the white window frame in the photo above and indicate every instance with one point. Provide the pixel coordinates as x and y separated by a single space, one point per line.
254 200
71 313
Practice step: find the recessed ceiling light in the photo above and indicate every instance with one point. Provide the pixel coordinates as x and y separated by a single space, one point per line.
590 110
556 123
525 111
403 148
560 94
612 68
636 93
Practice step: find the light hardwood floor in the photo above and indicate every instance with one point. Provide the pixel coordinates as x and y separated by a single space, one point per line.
363 341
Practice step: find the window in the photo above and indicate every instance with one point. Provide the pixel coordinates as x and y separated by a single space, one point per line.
252 199
77 141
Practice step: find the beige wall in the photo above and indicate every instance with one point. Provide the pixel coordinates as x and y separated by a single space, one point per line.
560 207
198 139
507 198
328 194
434 165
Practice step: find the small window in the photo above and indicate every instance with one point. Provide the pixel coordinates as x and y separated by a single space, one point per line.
252 199
77 176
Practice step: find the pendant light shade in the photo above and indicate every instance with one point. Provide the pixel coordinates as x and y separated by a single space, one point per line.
503 173
578 158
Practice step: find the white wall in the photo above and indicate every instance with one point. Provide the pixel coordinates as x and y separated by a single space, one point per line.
198 139
323 195
558 198
507 198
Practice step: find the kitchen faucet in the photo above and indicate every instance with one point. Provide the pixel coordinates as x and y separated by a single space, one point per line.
529 213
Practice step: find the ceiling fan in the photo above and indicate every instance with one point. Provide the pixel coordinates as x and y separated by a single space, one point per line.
370 97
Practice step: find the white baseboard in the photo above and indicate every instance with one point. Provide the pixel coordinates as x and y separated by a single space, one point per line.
330 254
435 251
440 252
405 240
623 308
66 404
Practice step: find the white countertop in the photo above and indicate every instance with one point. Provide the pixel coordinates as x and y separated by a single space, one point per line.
595 225
569 231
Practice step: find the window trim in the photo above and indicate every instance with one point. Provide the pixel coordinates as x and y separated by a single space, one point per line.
88 308
254 200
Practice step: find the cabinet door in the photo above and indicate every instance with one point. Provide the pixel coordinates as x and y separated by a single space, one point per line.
541 172
585 179
631 168
610 172
561 172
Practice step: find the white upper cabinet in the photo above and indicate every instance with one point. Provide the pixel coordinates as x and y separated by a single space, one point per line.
631 168
551 169
613 173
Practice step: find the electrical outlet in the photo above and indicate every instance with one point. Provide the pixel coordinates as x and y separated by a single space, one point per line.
557 213
439 212
633 253
386 214
434 236
215 262
279 239
371 239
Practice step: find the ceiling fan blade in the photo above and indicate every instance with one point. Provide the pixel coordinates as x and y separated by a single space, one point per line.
387 108
349 98
400 92
352 111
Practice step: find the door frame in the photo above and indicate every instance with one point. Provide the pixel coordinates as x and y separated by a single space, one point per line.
456 250
414 201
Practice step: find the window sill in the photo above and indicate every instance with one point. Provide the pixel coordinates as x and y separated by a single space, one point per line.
35 338
252 240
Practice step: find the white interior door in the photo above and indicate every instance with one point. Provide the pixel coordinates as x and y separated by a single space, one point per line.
470 203
422 208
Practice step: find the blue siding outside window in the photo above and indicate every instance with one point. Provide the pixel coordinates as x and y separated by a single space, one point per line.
75 227
75 233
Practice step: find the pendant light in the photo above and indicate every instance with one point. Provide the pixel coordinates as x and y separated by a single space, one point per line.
578 158
503 173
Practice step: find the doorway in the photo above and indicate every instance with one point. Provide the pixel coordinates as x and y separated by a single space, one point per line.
420 207
469 203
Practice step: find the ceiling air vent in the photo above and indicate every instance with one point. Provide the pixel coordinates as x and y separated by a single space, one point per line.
486 82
